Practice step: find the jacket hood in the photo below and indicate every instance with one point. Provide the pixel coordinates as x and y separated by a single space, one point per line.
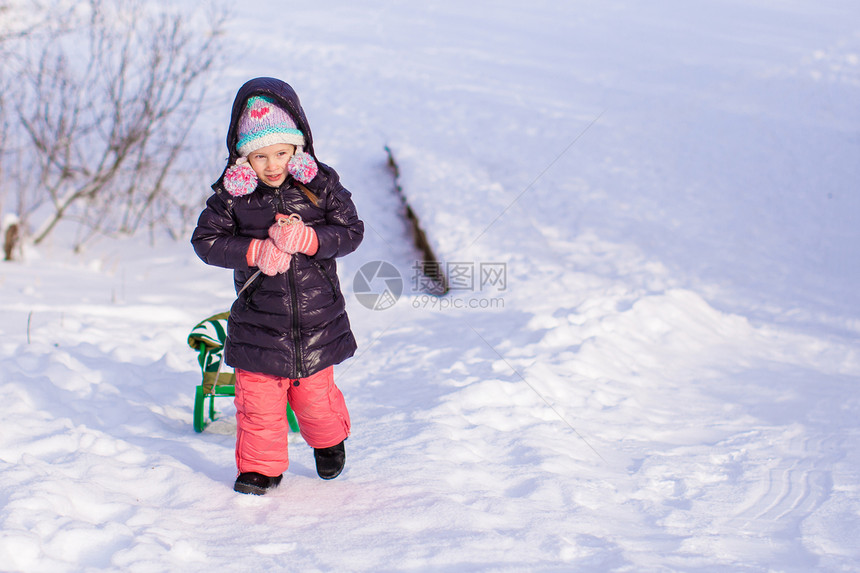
282 93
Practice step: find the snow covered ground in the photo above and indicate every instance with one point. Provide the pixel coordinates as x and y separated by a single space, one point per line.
666 379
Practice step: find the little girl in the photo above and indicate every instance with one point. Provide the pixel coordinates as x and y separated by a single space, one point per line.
279 219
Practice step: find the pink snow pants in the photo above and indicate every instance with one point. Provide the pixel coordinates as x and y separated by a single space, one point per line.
261 417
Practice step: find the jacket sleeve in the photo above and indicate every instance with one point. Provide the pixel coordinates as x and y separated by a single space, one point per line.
343 231
215 240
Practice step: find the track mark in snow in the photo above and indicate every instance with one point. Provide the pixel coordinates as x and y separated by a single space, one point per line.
791 491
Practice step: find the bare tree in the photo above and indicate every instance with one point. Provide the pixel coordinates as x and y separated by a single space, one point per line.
16 22
106 108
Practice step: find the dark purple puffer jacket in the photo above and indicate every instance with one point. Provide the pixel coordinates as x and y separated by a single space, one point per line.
293 324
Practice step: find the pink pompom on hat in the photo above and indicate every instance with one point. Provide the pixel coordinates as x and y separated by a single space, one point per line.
240 179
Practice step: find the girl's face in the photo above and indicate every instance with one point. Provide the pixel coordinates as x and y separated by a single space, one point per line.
270 163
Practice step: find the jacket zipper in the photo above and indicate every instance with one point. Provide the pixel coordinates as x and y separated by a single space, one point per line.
294 305
297 340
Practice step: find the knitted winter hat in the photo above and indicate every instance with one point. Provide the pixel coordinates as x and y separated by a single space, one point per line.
263 123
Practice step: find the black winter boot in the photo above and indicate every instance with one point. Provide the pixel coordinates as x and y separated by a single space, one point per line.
330 461
255 483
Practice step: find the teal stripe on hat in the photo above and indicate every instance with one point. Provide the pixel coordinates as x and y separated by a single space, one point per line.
253 99
268 131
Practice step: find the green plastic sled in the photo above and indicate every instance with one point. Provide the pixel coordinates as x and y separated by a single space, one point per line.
208 338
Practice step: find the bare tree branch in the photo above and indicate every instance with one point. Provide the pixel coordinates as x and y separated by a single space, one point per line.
106 107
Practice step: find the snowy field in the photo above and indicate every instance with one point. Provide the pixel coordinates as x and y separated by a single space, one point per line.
665 380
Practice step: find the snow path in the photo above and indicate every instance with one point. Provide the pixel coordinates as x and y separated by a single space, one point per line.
666 381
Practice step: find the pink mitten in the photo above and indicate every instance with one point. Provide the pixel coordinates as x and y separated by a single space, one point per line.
267 257
291 235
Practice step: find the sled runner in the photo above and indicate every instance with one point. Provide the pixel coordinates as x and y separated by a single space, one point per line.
208 339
